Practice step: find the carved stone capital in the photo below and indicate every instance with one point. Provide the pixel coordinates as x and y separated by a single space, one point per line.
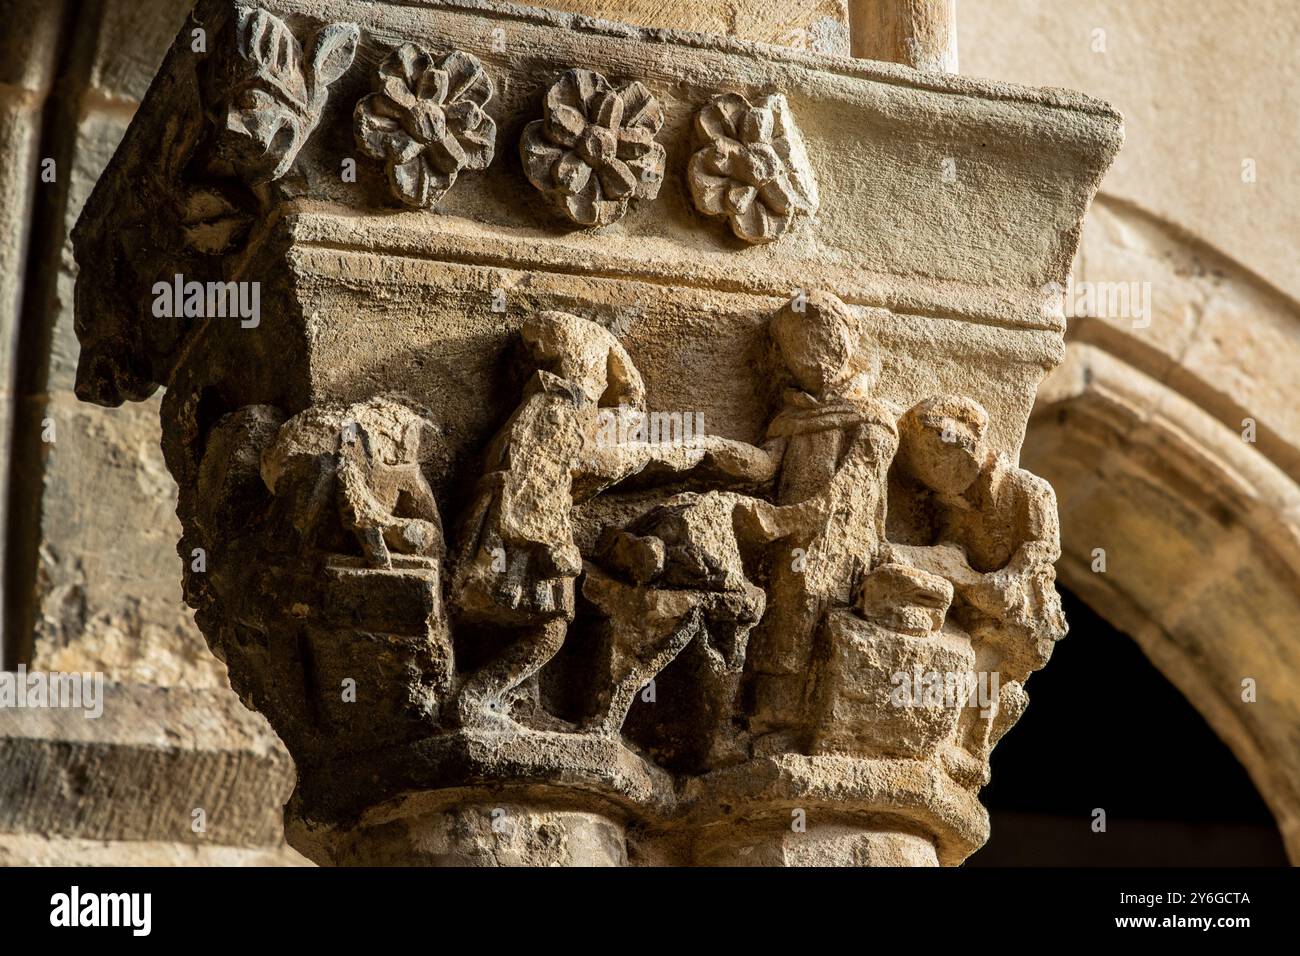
644 542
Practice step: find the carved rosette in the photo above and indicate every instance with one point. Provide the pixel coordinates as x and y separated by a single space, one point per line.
594 151
426 121
751 166
264 94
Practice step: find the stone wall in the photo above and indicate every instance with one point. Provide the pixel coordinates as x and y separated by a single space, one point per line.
93 568
1171 432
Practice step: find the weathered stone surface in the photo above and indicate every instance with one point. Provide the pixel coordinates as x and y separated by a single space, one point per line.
101 591
920 33
95 563
1199 535
264 91
35 850
862 712
927 251
1219 350
751 166
142 769
26 76
489 833
818 25
663 462
594 152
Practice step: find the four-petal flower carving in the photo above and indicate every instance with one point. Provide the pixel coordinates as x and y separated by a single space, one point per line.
426 121
751 166
595 151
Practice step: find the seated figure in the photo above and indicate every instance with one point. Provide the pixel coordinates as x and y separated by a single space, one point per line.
990 529
1000 519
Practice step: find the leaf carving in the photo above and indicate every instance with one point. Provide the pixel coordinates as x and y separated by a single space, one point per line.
265 96
334 50
270 48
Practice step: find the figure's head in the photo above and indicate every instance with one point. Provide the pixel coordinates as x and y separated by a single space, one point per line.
389 430
816 336
942 442
585 354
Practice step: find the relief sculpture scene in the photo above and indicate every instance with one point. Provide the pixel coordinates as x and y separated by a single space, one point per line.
863 580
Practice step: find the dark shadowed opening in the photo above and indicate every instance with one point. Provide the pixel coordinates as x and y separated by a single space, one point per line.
1105 730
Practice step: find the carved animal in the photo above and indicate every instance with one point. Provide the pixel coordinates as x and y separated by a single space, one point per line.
365 461
674 576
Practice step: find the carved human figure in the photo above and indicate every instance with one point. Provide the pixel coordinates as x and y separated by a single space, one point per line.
992 530
519 560
365 461
829 447
1002 518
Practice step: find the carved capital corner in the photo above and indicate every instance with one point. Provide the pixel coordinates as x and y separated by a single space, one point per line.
632 539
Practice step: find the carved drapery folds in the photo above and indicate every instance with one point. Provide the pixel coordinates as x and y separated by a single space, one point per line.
426 121
594 150
620 535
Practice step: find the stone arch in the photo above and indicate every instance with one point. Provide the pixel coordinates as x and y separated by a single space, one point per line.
1140 431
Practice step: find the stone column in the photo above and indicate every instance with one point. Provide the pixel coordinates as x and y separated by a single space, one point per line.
596 444
918 33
